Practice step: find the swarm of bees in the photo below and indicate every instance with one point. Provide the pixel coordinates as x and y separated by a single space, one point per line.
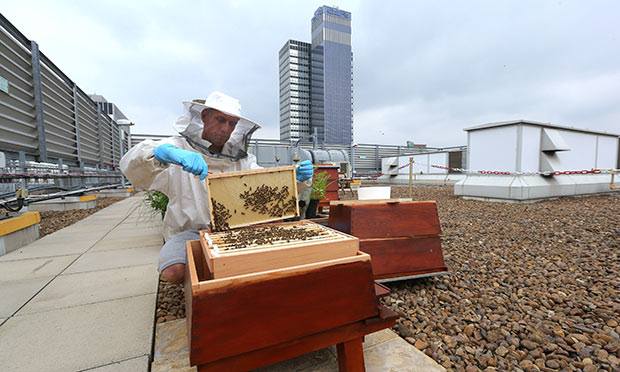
221 214
272 201
264 235
269 200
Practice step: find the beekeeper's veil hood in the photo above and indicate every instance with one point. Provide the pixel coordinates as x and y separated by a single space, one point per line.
190 126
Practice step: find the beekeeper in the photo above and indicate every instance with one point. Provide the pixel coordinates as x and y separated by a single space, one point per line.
213 138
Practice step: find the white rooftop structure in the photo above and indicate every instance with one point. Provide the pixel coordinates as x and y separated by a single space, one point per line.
537 123
528 153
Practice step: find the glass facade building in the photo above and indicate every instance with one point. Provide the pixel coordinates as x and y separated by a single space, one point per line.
294 61
332 76
330 79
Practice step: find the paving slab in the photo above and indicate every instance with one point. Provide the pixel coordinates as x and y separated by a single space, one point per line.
100 222
75 236
172 365
103 260
132 365
50 248
142 223
34 268
109 214
96 286
80 337
141 215
14 294
140 226
402 357
379 337
112 243
171 351
82 231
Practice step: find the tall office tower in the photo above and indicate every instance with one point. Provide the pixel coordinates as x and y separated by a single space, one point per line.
295 91
316 81
332 76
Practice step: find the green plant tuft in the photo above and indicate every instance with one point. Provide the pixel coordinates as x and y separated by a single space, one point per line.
156 200
319 186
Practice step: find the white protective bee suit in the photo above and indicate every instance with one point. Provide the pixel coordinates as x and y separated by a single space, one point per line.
188 198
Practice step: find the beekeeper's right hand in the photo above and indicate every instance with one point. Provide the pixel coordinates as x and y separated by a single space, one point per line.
191 161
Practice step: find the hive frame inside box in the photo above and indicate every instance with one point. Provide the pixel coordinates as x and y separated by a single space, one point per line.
226 187
239 316
332 245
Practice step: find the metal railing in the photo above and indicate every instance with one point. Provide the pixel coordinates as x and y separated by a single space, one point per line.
365 158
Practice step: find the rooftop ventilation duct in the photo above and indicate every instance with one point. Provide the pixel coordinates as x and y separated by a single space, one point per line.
552 141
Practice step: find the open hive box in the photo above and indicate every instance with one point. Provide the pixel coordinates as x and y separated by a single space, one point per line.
252 196
259 318
273 246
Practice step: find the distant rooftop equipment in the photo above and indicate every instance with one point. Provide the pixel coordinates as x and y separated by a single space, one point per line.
536 150
428 167
108 108
374 193
328 156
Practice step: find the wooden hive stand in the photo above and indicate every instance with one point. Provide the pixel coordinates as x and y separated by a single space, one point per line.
247 321
402 237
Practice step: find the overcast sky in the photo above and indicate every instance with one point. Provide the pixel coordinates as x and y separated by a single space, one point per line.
423 70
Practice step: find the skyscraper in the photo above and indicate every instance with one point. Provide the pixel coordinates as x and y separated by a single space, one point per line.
294 90
332 76
330 80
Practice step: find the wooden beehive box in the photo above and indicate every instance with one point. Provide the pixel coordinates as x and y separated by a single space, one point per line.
404 257
250 197
402 237
247 313
385 218
273 246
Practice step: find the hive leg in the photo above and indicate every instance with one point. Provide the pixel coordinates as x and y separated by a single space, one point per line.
351 356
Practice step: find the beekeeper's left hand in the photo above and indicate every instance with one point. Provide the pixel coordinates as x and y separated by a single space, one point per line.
304 170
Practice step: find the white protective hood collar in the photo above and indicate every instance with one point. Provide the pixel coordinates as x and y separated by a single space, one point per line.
190 126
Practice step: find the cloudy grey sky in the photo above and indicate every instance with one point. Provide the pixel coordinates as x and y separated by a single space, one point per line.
423 70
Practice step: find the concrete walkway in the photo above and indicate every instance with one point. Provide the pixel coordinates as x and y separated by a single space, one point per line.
83 298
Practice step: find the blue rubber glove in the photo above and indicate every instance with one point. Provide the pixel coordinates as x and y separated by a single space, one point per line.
191 161
304 170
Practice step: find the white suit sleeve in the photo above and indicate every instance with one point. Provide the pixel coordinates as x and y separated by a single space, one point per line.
142 169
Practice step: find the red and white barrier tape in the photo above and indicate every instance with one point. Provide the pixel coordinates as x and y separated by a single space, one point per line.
515 173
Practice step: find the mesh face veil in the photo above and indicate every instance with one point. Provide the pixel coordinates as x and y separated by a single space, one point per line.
190 126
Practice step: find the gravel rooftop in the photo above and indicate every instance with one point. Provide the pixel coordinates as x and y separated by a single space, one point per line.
52 221
531 286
